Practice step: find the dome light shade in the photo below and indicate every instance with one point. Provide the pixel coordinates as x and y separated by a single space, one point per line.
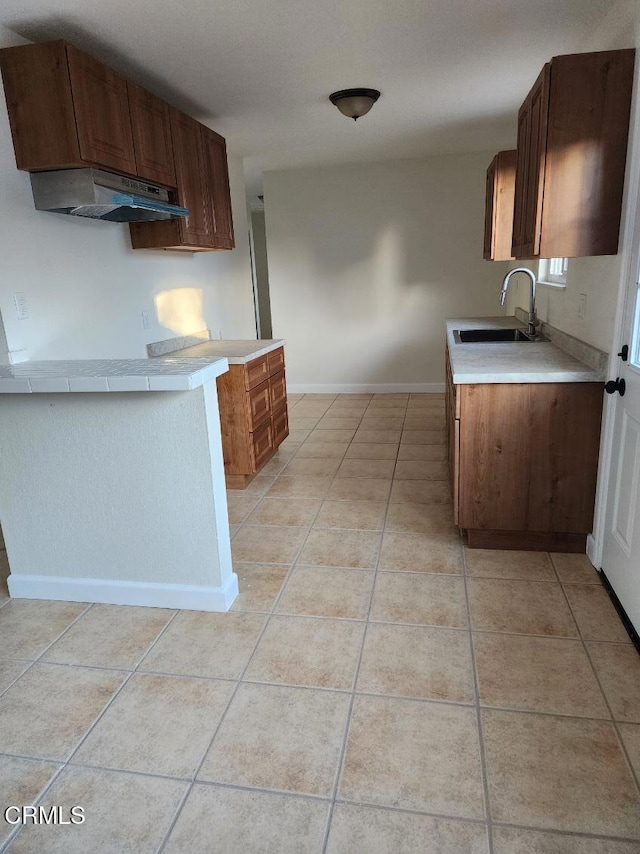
354 102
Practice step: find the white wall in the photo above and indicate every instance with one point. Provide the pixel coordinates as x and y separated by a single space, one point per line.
598 277
86 287
367 261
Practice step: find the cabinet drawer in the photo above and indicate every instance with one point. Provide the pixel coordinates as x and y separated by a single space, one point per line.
259 404
256 372
280 426
262 445
276 361
278 390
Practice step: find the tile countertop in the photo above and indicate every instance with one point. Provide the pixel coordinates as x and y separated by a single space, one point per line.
104 375
236 352
562 359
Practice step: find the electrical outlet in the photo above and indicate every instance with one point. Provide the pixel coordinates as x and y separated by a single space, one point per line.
219 334
582 306
145 319
20 301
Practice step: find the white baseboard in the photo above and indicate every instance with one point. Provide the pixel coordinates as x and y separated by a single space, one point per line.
189 597
366 388
592 550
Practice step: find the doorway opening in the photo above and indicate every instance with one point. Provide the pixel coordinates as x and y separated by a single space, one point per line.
260 272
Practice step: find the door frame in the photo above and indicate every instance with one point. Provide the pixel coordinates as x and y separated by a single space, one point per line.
629 268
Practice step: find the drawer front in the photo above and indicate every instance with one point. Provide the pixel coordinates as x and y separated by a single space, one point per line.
280 426
276 361
259 404
278 390
262 445
256 372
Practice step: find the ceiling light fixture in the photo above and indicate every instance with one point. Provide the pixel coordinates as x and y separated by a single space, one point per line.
354 102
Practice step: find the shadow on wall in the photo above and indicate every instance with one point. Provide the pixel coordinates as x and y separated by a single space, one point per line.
180 310
417 235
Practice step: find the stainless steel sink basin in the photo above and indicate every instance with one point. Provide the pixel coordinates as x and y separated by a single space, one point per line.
475 336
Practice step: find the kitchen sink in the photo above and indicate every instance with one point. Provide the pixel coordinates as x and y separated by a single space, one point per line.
475 336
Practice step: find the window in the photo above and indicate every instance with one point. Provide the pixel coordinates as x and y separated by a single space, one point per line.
553 271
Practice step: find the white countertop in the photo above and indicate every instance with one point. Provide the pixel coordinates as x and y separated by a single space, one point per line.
513 361
236 352
104 375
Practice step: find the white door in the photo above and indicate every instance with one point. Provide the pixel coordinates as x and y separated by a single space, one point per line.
621 542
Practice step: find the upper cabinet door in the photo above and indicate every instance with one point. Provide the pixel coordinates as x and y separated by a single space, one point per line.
532 141
521 188
215 154
539 112
151 136
589 108
102 112
498 220
40 106
191 178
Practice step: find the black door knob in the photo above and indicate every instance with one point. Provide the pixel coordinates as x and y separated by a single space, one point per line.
618 385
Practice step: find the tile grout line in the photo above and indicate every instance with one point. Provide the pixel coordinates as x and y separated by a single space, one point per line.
478 710
239 682
345 738
635 777
14 833
69 756
38 659
571 834
352 692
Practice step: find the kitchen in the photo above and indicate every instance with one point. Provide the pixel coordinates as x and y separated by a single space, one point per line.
366 262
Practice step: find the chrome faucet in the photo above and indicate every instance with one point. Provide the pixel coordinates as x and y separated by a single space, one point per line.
533 321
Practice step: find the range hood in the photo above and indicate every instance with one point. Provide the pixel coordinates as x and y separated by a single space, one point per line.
97 194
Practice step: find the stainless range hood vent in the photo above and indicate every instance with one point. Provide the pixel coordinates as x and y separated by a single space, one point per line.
96 194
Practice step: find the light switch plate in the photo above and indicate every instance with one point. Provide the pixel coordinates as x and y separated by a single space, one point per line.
582 306
20 302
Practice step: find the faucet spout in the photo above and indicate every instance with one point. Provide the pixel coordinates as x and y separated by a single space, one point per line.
533 321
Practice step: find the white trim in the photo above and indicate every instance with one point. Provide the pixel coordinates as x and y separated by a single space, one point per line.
630 236
189 597
591 550
365 388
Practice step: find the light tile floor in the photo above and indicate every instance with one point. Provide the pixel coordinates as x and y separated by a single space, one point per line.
377 687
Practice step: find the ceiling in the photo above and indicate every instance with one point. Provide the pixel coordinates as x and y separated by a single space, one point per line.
452 72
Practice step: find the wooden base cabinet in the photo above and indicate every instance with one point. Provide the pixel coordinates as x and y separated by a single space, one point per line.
253 415
523 461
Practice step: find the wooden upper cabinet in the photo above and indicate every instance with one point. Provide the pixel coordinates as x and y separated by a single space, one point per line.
202 181
102 115
498 219
66 109
215 154
572 144
151 129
